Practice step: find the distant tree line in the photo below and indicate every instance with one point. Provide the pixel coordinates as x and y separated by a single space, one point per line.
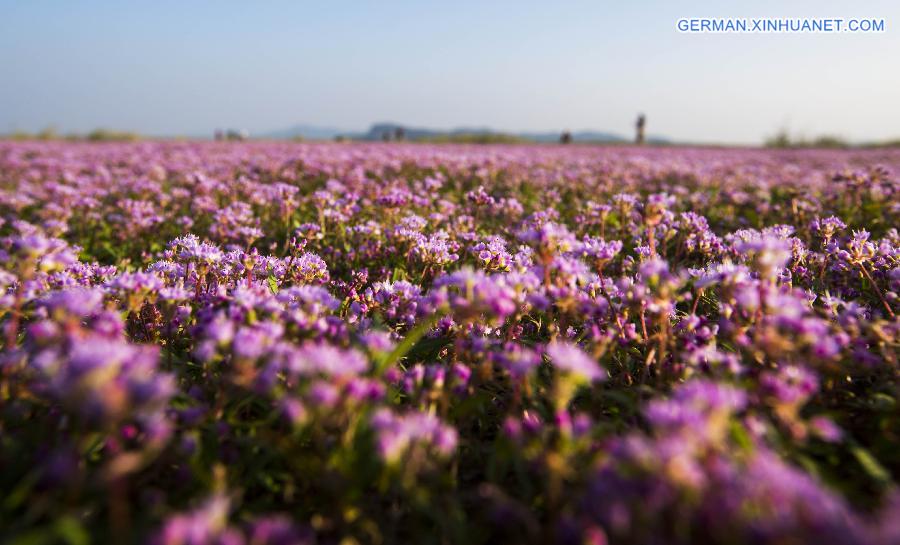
783 139
96 135
474 138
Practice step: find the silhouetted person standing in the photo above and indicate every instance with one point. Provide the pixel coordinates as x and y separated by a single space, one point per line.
639 127
565 138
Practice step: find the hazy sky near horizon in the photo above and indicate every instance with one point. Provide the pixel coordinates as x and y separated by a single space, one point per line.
187 67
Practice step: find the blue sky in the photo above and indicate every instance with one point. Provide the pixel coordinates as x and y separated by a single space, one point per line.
170 68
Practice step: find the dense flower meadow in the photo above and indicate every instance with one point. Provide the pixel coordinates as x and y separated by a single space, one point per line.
260 343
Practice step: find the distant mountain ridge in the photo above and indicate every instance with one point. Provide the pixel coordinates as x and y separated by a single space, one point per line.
380 131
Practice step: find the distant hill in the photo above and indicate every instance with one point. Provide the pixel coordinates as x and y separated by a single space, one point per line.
378 131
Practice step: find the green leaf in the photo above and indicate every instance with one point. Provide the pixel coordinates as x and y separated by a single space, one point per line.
871 466
71 531
21 492
741 437
273 284
408 342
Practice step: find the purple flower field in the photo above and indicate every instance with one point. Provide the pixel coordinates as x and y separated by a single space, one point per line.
267 343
